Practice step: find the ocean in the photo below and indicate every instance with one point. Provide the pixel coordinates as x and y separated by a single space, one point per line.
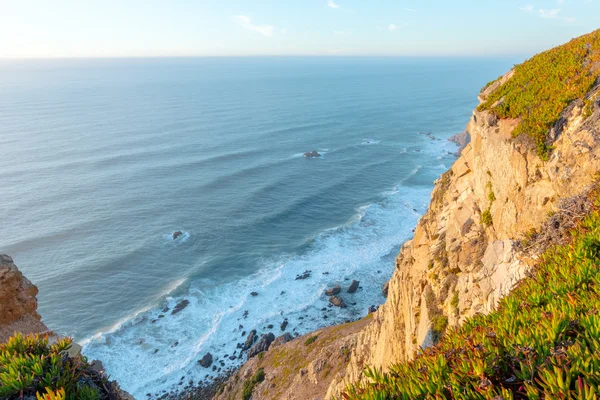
104 159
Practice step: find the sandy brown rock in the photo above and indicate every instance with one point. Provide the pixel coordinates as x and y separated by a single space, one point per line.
18 302
300 369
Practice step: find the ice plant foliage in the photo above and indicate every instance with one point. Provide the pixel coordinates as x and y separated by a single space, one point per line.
542 87
30 365
542 342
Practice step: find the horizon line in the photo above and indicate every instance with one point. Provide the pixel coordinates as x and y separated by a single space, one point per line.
9 58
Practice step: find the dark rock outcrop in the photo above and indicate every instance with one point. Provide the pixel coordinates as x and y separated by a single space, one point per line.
177 234
250 340
180 306
353 287
263 345
304 275
312 154
206 361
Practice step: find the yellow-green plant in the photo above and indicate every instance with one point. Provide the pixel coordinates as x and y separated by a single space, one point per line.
30 365
543 86
542 342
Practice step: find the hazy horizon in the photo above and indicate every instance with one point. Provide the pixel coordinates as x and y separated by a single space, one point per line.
151 29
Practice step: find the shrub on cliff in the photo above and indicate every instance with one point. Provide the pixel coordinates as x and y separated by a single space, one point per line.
542 87
31 366
542 342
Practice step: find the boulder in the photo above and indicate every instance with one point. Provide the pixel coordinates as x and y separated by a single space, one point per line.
353 287
284 325
206 361
333 291
180 306
372 309
312 154
177 234
263 345
336 301
254 294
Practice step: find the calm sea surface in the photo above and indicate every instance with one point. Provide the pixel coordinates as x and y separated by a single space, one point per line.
102 160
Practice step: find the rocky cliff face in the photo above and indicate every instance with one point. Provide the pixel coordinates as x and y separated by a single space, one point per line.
465 255
18 303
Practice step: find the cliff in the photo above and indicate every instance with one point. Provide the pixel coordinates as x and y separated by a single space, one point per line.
467 252
18 302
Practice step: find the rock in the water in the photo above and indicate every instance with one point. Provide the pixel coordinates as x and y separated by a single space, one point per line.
333 291
263 345
283 339
304 275
254 294
250 340
336 301
180 306
312 154
353 287
206 361
385 289
284 325
372 309
177 234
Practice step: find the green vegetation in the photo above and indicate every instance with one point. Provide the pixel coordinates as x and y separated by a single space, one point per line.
543 87
486 217
311 340
258 377
454 302
31 366
542 342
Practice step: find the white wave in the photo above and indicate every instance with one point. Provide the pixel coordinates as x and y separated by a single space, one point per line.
131 318
141 353
369 142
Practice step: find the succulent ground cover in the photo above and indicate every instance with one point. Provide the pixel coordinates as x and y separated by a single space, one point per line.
543 86
32 367
542 342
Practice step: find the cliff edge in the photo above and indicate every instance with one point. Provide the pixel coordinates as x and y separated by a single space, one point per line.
18 302
468 250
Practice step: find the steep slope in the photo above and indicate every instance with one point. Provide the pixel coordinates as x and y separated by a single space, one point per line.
464 256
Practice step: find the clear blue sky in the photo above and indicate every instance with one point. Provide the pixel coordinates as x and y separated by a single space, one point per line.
123 28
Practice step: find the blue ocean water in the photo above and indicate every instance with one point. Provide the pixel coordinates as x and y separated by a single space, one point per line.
102 160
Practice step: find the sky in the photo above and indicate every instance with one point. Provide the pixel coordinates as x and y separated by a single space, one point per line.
155 28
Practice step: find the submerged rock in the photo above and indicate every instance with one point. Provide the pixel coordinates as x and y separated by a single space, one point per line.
180 306
312 154
304 275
